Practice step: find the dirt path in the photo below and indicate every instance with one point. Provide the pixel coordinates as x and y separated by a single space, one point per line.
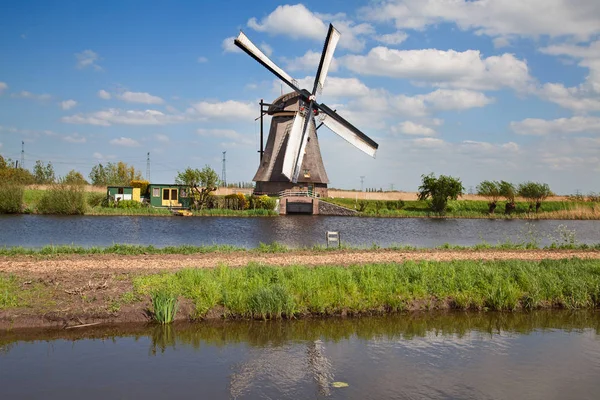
119 263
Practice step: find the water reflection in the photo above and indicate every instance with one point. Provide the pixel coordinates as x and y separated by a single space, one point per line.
429 355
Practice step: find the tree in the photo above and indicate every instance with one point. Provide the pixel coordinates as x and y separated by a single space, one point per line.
115 174
439 191
201 183
508 191
534 193
491 191
9 174
74 178
43 174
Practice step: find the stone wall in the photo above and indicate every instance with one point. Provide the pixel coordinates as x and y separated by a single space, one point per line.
326 208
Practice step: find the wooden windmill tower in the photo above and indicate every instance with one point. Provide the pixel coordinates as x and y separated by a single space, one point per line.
292 157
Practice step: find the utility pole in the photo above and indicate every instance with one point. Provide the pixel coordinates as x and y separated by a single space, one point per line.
362 180
224 170
22 154
392 187
148 167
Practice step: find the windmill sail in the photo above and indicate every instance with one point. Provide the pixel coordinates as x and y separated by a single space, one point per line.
293 146
347 131
333 37
250 48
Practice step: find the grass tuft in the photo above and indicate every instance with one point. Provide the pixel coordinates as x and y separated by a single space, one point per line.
165 306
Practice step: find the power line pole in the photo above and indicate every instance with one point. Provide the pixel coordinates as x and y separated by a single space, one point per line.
392 187
362 180
22 154
148 167
224 170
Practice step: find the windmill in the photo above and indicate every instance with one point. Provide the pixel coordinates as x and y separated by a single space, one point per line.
292 157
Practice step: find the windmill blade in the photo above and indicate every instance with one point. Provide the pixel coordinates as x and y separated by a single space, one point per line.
250 48
333 37
293 145
348 131
303 142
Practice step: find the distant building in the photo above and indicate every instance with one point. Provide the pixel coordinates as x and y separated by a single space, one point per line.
164 195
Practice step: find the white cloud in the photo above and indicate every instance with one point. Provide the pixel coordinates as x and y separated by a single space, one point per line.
429 142
221 110
392 38
140 97
444 99
114 116
88 58
309 62
124 141
68 104
540 127
162 138
98 156
454 69
501 42
334 87
74 138
229 47
585 97
28 95
3 87
296 21
411 128
103 94
533 18
202 60
268 50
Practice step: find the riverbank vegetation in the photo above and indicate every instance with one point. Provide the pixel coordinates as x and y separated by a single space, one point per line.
259 291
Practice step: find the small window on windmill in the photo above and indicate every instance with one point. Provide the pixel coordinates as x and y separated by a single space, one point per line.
307 173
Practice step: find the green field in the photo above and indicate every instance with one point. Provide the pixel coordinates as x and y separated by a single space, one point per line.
475 209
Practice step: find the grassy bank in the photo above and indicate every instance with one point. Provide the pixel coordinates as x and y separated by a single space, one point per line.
274 292
475 209
275 247
268 292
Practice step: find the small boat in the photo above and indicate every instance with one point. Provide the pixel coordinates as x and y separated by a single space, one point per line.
182 213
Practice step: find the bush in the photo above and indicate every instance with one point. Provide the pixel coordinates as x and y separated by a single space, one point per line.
165 307
263 202
378 206
593 197
62 198
128 204
362 205
11 198
236 201
534 193
394 205
95 199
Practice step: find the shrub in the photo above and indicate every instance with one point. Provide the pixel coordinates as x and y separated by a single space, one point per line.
593 197
62 198
141 184
508 191
394 205
236 201
11 198
378 206
95 199
263 202
362 205
129 204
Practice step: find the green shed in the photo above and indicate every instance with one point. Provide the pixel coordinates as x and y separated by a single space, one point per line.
123 193
164 195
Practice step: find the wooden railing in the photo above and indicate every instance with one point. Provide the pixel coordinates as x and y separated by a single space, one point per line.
298 193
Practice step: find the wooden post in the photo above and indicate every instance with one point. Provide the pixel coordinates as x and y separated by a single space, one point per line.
261 130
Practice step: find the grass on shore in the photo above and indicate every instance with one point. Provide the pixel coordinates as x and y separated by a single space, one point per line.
259 291
129 249
478 209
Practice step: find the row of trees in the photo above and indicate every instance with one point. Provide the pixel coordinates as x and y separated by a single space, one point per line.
533 192
439 190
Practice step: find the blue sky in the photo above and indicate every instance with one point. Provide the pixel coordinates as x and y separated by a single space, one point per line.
477 89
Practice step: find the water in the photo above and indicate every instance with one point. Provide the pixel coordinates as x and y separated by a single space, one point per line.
293 231
540 355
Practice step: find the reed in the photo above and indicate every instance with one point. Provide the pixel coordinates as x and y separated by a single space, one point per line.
164 306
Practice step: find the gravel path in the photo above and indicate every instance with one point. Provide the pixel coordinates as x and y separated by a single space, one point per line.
141 263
